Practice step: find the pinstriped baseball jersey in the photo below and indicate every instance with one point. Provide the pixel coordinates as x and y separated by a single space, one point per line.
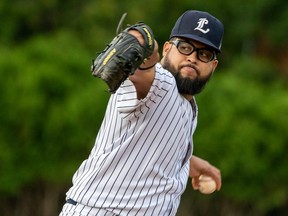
139 164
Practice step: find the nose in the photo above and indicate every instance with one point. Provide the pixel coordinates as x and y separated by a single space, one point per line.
192 57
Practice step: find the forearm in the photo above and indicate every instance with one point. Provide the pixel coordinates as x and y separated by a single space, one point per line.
143 77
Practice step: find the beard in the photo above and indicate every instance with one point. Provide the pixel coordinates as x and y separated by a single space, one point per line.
186 85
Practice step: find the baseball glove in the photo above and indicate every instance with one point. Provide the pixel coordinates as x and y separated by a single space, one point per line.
123 55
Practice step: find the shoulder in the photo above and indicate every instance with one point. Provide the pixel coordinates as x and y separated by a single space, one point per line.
163 77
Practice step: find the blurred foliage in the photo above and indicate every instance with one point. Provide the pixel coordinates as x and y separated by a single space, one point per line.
51 107
243 128
47 101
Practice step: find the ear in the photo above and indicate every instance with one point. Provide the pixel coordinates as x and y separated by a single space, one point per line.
166 47
214 65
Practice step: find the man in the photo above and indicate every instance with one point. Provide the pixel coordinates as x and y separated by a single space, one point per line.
142 156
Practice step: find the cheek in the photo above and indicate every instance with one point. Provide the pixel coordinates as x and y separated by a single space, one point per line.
205 74
208 69
174 59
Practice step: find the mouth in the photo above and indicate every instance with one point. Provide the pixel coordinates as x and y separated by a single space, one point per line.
189 69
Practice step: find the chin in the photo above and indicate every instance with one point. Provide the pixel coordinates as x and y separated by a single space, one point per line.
188 74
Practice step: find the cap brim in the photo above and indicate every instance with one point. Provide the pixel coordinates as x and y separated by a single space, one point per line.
199 39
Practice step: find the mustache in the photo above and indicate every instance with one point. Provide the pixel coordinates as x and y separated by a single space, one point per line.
192 66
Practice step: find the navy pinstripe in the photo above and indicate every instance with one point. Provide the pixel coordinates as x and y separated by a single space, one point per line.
140 161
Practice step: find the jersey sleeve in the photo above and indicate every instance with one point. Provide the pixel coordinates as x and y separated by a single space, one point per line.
127 101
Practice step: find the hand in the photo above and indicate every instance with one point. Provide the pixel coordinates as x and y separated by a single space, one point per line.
154 58
199 167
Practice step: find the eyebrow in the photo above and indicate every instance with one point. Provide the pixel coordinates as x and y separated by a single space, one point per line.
195 43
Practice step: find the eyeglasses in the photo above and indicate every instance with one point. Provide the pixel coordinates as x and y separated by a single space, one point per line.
186 48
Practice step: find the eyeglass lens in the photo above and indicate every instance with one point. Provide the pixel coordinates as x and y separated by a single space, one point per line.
186 48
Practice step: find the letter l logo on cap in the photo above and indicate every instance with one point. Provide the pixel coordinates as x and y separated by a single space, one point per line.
201 23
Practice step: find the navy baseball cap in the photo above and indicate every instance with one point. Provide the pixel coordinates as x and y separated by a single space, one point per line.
199 26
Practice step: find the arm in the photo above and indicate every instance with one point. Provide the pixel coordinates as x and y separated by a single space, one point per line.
143 79
198 167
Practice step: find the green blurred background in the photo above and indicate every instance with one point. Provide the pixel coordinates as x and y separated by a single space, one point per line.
51 107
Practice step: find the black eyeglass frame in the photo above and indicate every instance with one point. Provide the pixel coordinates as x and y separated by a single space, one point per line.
177 43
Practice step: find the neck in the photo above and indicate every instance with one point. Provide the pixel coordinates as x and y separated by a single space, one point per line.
188 96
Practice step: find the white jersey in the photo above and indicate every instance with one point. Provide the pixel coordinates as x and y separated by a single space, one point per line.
139 164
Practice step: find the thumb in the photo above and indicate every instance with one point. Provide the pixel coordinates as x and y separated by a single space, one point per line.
195 183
